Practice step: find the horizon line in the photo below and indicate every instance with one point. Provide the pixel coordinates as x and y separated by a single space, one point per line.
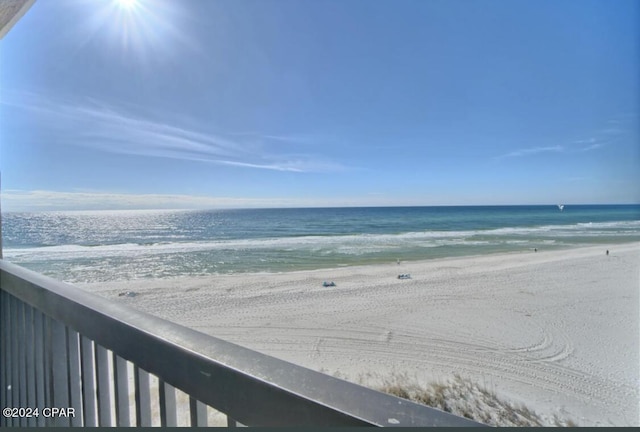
308 207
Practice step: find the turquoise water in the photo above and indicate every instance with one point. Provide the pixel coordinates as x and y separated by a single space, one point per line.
123 245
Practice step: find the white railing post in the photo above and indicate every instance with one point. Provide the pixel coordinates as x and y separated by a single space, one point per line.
39 362
143 397
4 353
167 395
75 377
198 412
121 384
87 363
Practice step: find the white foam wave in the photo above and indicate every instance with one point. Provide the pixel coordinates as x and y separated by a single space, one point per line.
350 244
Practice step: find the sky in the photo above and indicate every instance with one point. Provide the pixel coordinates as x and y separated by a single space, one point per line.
108 104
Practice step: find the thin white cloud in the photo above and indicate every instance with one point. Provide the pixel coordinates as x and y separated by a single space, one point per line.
585 141
294 139
591 147
585 145
599 139
45 200
533 151
109 129
300 139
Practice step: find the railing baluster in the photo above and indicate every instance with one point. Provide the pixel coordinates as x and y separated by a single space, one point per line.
29 343
48 379
2 353
59 371
198 412
167 394
75 385
4 366
121 384
143 397
40 380
15 383
88 382
104 395
22 354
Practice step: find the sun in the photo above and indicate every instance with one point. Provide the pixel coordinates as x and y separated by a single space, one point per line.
126 4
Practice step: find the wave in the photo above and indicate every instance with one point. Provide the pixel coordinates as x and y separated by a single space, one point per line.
347 244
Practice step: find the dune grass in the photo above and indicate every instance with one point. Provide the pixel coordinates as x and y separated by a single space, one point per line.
465 398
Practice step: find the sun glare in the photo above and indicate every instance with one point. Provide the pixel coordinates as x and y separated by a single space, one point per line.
135 28
127 4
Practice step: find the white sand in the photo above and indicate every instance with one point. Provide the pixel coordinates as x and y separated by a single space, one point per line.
557 331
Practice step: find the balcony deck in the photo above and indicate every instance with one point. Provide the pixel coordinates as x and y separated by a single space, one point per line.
63 347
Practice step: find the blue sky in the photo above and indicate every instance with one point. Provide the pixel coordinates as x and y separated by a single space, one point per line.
207 104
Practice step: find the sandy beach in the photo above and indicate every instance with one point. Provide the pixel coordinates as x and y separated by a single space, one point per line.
558 331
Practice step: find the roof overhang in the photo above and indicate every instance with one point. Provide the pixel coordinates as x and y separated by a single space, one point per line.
10 13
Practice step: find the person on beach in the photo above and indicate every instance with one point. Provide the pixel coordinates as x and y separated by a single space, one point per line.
607 252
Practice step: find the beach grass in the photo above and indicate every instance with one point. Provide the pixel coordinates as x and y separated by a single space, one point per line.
463 397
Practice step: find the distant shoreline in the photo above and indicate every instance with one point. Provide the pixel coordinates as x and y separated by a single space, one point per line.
551 252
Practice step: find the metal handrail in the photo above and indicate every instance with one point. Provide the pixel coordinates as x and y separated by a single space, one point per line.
250 387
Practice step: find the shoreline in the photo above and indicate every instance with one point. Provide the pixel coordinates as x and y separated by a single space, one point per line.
557 331
550 254
313 278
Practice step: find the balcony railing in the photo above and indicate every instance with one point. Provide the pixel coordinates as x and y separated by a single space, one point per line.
101 364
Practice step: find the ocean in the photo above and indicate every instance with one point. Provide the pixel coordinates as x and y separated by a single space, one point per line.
101 246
